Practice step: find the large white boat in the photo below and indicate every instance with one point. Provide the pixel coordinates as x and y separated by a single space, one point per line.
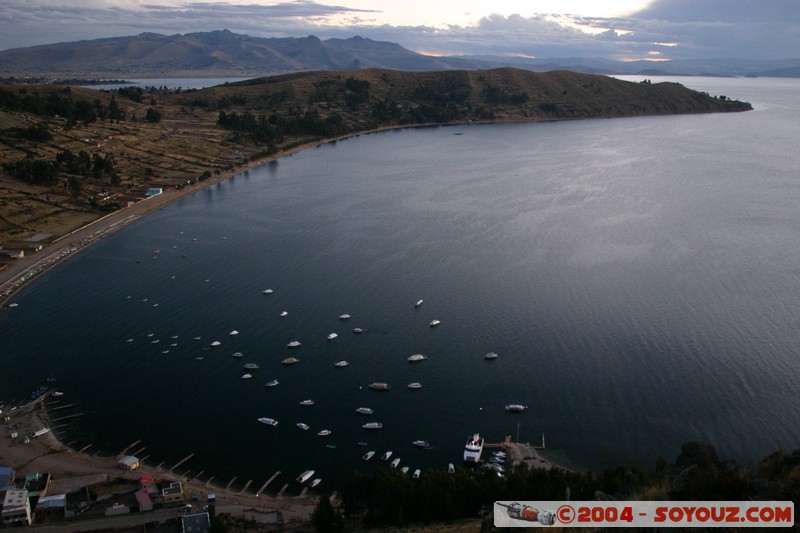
305 476
473 449
268 421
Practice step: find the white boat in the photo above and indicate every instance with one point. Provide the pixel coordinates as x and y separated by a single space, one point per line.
268 421
284 313
247 376
307 403
386 456
421 444
198 358
419 302
367 456
40 432
232 333
435 323
58 393
473 449
237 354
491 355
324 433
290 361
395 462
302 426
515 408
293 344
379 385
251 366
305 476
358 330
451 469
404 470
416 474
372 425
332 336
364 411
341 364
215 344
315 482
415 385
273 383
267 291
416 357
344 316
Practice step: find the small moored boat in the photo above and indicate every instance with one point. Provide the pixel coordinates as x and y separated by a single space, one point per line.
416 357
251 366
419 302
367 456
284 313
238 355
404 470
379 385
451 469
290 361
364 411
307 403
215 344
315 482
267 291
302 426
344 316
324 433
421 444
247 376
341 364
358 330
416 474
395 462
491 355
268 421
305 476
332 336
293 344
435 323
515 408
372 425
233 333
386 456
272 383
415 385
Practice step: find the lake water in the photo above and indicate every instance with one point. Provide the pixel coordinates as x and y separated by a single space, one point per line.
638 277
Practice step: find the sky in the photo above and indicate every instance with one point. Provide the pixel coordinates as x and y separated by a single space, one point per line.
656 30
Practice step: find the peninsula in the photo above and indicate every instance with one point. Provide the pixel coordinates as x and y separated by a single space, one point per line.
77 163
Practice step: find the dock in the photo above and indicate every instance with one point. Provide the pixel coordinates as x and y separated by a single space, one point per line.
179 463
267 482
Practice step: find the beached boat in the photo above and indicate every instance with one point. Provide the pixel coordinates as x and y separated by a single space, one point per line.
341 364
251 366
293 344
473 449
395 462
435 323
233 333
372 425
421 444
272 383
40 432
491 355
307 403
305 476
247 376
302 426
415 385
268 421
315 482
386 455
416 474
515 408
364 411
290 361
367 456
324 433
416 357
344 316
379 385
332 336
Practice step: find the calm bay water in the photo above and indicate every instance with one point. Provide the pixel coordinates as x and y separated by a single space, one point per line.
638 278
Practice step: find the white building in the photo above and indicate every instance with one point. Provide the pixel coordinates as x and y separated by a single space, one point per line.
16 507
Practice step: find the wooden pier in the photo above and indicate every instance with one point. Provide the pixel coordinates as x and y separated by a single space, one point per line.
267 482
179 463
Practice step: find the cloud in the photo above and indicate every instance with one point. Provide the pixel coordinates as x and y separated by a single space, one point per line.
738 11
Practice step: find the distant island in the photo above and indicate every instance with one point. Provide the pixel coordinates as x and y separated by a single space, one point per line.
70 155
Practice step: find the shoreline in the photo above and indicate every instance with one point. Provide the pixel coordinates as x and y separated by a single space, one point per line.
67 466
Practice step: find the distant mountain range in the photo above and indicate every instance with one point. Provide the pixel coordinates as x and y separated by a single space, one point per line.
224 53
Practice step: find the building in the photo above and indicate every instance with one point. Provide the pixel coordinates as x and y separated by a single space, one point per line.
51 506
13 254
148 485
16 507
144 501
7 477
173 493
153 191
129 462
196 523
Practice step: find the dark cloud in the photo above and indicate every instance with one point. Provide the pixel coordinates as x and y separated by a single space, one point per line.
740 11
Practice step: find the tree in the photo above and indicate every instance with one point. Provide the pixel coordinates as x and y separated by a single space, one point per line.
153 115
325 518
